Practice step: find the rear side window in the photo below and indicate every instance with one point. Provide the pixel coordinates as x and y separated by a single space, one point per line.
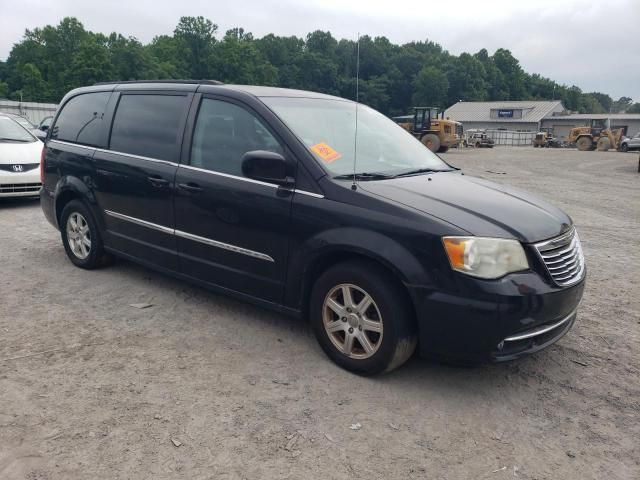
82 120
148 125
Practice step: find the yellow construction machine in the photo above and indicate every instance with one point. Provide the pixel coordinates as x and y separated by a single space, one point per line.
431 128
596 135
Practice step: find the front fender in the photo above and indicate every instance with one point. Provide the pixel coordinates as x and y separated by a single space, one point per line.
336 244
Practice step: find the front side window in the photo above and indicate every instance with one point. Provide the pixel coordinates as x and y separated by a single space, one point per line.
12 132
328 129
82 120
224 132
148 125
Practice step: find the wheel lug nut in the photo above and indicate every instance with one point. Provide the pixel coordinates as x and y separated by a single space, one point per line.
344 319
360 327
350 329
349 310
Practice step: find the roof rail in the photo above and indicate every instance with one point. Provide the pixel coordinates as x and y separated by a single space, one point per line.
198 82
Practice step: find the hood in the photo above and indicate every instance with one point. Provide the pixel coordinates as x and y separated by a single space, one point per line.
478 206
14 153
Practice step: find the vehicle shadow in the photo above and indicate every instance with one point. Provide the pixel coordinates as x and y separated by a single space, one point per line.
419 374
18 202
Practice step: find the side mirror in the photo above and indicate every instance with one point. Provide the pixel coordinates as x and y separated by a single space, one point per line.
44 128
266 166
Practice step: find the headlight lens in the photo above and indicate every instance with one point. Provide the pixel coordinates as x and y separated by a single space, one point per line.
485 257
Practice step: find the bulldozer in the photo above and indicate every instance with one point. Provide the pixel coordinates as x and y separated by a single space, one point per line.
545 139
596 135
429 126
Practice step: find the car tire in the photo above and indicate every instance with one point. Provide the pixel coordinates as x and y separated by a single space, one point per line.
344 327
81 236
624 147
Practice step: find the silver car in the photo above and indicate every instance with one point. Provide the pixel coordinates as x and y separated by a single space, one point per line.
632 143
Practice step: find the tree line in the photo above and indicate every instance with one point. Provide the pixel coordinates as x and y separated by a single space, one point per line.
51 60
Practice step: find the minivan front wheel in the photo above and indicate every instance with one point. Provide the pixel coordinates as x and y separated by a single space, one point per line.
362 319
80 236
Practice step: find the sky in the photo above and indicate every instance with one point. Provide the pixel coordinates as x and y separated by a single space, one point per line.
588 44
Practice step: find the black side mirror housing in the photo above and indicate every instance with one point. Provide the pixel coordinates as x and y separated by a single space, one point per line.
270 167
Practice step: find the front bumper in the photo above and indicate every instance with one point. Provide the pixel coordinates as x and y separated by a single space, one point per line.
492 321
20 184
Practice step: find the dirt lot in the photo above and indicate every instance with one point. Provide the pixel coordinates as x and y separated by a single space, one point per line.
91 387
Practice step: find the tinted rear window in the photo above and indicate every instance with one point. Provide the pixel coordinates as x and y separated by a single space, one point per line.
148 125
82 120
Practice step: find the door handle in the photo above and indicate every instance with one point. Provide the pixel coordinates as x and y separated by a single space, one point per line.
190 187
158 181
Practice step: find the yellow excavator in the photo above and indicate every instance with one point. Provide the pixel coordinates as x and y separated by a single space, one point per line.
596 135
431 128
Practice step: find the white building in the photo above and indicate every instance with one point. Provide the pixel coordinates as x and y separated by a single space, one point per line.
518 116
516 122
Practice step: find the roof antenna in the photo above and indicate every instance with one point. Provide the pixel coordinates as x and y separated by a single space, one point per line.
355 143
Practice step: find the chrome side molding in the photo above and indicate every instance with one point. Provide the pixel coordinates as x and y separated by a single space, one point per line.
191 236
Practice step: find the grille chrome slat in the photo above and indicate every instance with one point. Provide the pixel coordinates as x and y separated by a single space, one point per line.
563 258
19 187
555 254
560 260
562 265
570 271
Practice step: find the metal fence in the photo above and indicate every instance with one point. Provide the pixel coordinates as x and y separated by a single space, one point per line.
34 112
508 137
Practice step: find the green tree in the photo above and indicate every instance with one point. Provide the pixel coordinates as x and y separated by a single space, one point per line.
430 88
129 58
51 60
197 40
571 98
166 57
513 75
635 108
236 59
33 87
90 64
466 79
622 105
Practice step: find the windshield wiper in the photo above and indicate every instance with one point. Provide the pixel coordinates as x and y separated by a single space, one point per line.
364 176
418 171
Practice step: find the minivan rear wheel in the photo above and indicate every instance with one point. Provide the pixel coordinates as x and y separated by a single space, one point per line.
362 319
81 237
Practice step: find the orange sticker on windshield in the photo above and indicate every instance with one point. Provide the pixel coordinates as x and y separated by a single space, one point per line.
325 152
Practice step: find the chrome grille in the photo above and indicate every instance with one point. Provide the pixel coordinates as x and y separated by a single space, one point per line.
563 258
19 187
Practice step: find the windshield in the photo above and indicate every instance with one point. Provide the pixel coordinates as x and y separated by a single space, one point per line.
22 121
11 131
327 128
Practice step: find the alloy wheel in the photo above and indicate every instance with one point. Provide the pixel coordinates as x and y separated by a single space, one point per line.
352 321
78 235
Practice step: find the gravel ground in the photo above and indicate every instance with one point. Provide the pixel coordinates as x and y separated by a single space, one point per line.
201 386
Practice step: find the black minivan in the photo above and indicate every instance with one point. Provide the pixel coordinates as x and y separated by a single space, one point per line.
315 206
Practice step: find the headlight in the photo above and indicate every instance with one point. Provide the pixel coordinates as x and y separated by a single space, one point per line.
485 257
